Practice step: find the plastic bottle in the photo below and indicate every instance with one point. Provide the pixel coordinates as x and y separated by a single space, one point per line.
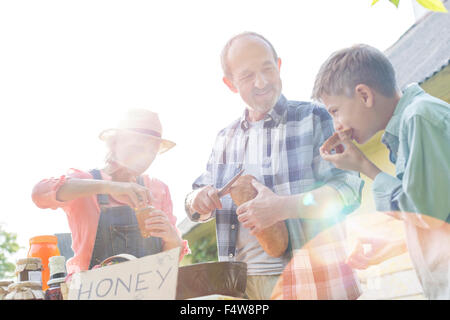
44 247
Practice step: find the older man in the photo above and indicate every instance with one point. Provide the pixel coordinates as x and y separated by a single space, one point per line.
278 142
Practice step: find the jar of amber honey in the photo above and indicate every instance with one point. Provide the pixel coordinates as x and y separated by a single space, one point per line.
141 216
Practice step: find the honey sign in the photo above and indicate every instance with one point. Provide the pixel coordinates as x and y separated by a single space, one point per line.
152 277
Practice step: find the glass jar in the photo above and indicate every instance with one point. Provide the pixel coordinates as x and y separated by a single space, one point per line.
141 216
26 290
57 266
44 247
29 269
54 289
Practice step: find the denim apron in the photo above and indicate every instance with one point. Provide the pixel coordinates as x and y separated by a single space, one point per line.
118 231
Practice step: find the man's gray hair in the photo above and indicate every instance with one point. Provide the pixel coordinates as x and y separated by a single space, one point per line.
224 54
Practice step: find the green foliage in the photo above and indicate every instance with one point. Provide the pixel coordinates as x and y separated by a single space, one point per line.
433 5
395 2
203 250
8 246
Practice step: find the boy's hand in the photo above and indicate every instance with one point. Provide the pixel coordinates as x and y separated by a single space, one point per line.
347 156
380 250
334 142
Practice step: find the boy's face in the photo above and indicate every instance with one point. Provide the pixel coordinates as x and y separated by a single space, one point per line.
351 113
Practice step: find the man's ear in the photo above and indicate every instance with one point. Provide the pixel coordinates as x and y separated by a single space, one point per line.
230 84
365 94
279 64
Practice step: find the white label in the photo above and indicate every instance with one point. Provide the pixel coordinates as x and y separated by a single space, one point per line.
35 276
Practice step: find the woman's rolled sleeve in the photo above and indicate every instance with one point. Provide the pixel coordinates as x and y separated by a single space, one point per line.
44 193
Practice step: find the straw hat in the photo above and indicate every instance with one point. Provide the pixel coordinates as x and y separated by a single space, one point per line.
141 122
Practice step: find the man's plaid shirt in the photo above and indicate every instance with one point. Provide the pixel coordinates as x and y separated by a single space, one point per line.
291 164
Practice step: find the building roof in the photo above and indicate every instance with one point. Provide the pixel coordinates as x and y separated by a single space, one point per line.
423 50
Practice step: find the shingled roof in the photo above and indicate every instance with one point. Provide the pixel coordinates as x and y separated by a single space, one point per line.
423 50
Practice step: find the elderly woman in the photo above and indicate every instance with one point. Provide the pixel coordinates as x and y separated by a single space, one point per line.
100 204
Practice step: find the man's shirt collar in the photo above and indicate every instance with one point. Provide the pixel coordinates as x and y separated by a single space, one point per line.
391 135
409 94
271 119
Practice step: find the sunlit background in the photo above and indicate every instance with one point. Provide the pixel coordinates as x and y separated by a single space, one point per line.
69 69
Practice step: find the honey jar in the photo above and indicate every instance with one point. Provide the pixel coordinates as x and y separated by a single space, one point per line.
29 269
26 290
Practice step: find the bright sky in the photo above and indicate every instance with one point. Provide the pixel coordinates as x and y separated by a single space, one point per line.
69 69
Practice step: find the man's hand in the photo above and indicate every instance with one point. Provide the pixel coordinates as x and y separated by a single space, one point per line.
381 250
205 200
348 157
263 211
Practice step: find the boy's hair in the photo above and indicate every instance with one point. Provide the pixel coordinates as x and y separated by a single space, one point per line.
359 64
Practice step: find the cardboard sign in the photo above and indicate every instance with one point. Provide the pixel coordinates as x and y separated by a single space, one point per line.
152 277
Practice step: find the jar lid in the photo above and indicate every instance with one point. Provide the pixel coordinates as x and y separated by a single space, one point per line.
25 290
45 238
147 209
33 260
25 284
28 264
5 283
57 265
57 260
56 280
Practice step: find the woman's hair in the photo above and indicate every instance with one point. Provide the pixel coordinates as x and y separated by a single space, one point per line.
359 64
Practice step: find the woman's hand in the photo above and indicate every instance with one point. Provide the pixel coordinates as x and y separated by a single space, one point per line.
133 194
158 225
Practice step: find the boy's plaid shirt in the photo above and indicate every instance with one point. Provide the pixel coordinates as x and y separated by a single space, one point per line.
291 164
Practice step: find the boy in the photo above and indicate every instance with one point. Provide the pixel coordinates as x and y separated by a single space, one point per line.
358 87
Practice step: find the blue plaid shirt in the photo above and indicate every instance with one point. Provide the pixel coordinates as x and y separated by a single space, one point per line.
291 164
